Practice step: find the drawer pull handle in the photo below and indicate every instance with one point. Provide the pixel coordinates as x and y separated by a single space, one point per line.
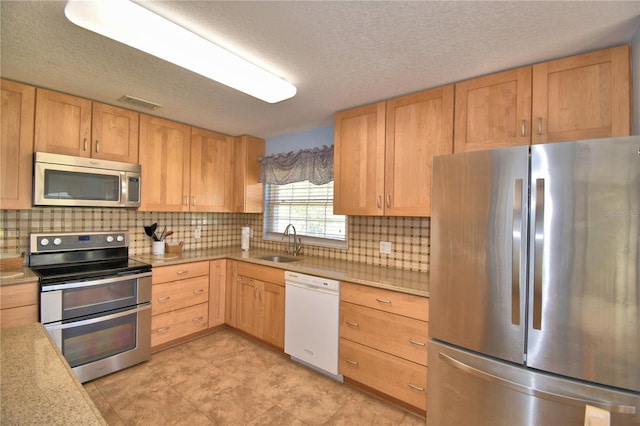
385 301
200 291
352 362
163 299
418 388
352 324
197 319
182 272
163 329
413 342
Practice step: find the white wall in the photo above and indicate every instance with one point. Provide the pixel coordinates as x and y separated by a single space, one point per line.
635 67
313 138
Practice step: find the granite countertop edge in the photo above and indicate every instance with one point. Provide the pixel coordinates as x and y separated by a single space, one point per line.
400 280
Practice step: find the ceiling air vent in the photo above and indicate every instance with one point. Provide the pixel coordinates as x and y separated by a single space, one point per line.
139 102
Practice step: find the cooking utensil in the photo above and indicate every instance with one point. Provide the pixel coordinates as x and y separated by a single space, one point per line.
163 234
150 231
168 234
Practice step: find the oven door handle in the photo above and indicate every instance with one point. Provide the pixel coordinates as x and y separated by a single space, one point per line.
79 284
72 324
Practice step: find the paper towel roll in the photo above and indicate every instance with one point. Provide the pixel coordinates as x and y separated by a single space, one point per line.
244 238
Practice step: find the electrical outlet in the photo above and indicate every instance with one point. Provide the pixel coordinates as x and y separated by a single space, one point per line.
385 247
198 233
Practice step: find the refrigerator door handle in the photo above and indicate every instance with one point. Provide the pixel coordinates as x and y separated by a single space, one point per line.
516 247
563 399
538 255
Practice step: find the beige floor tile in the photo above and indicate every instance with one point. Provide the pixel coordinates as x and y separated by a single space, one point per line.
227 379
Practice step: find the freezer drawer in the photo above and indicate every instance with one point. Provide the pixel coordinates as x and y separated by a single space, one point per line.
465 388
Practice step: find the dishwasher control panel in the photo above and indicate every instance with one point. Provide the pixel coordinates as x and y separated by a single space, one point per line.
311 280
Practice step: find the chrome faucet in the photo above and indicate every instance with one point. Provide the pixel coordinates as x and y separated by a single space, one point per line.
294 248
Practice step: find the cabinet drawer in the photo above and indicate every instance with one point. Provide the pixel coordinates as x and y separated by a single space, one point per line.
180 323
386 300
22 315
174 295
12 296
394 334
396 377
164 274
262 273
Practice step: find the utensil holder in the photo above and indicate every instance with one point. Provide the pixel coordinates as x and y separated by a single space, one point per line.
157 247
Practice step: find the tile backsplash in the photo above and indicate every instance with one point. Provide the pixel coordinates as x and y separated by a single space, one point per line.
409 236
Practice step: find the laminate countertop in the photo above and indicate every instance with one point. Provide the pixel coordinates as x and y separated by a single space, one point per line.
401 280
37 385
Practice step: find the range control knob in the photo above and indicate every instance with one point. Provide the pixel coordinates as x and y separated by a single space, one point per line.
44 242
120 238
57 241
109 239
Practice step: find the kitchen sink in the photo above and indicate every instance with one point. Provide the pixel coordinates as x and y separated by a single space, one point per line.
283 259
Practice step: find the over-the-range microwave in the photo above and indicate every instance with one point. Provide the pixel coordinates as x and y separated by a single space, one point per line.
63 180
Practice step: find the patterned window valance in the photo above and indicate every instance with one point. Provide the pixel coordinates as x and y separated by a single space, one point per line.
314 165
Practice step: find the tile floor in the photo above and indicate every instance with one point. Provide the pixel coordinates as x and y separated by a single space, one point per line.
227 379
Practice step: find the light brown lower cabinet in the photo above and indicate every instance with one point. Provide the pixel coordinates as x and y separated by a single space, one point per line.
179 301
392 375
257 296
383 342
19 304
179 323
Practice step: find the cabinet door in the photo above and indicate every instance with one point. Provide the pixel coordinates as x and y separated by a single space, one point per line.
16 145
114 133
582 97
211 188
493 111
165 159
248 308
419 126
63 124
272 299
217 287
248 192
359 143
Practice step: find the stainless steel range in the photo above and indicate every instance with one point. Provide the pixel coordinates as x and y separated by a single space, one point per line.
95 302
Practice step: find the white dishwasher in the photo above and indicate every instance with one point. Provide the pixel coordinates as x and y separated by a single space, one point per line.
312 322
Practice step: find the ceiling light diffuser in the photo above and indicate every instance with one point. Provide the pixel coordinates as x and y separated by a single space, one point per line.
135 26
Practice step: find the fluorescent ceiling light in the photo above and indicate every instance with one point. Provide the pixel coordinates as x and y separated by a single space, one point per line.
135 26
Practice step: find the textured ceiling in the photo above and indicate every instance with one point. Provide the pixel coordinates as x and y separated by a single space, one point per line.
338 54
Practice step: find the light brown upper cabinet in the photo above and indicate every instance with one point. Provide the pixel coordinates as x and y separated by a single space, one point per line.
16 144
75 126
211 188
384 151
248 192
165 158
580 97
493 111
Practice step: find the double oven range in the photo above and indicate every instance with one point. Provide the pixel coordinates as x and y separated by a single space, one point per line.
95 302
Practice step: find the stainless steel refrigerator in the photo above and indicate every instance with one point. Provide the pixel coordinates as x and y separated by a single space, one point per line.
535 285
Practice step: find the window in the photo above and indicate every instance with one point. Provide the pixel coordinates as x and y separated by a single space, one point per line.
309 208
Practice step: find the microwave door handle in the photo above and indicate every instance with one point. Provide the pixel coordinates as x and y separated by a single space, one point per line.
123 188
